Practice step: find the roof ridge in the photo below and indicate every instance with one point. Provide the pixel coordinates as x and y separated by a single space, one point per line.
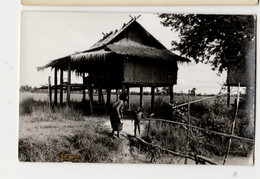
113 35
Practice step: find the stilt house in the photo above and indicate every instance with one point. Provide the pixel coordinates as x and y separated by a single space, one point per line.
125 58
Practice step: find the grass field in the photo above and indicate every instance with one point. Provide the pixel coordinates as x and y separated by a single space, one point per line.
134 99
58 134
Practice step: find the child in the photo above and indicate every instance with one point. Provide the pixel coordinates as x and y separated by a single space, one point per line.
116 112
137 118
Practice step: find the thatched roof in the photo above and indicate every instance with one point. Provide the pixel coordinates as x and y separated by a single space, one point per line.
115 43
137 50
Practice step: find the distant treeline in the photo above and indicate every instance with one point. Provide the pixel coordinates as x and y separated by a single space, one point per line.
163 91
27 88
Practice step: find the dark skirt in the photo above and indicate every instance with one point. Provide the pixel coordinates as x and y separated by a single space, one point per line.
114 119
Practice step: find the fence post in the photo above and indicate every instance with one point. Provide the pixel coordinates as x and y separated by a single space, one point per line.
188 128
233 124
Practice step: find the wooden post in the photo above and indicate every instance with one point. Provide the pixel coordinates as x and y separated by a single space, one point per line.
49 90
90 94
69 82
152 99
141 96
128 99
228 95
108 99
99 95
171 93
188 129
55 86
84 89
61 86
233 124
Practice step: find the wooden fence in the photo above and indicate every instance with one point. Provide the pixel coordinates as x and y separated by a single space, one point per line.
188 127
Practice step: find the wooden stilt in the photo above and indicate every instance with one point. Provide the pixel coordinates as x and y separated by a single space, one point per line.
108 99
55 86
90 93
84 89
68 84
61 86
49 90
141 96
128 99
171 93
100 95
152 99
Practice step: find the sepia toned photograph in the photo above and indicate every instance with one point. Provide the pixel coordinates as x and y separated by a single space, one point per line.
137 88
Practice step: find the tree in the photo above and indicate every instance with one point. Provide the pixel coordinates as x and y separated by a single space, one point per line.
221 40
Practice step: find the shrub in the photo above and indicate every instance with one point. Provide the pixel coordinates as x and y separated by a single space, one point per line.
26 106
86 147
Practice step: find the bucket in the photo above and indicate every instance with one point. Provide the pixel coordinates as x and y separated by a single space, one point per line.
118 126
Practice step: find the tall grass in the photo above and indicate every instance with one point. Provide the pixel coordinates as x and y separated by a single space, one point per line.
42 111
57 134
83 146
214 116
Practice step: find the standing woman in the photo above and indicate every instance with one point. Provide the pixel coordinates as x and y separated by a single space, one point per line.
116 112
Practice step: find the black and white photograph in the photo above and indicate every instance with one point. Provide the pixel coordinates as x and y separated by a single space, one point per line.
137 88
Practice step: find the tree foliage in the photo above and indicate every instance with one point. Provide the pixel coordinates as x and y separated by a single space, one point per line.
221 40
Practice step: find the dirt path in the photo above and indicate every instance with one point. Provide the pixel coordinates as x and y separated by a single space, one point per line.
128 126
128 154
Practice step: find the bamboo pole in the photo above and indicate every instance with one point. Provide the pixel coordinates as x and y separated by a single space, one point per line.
228 95
198 100
233 124
205 130
49 90
188 129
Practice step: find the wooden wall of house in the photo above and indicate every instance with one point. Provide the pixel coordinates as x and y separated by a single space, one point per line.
149 73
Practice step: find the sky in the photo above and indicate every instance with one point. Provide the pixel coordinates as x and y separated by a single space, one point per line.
46 36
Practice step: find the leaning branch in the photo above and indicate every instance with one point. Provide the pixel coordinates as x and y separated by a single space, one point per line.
172 152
